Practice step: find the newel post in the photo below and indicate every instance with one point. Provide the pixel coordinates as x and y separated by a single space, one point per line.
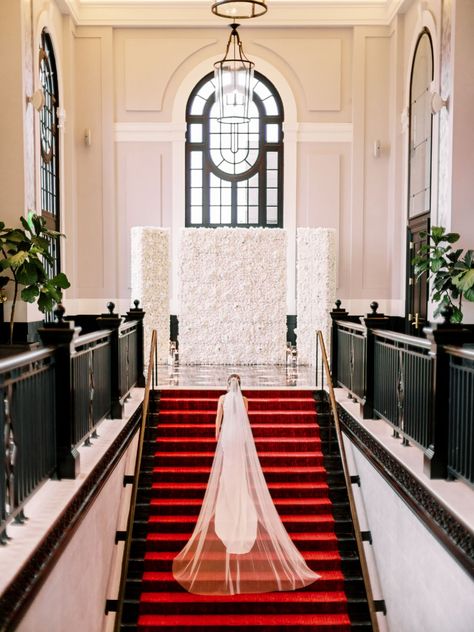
372 321
62 335
136 313
337 313
113 321
435 460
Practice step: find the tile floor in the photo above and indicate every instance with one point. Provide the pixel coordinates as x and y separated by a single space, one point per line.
215 376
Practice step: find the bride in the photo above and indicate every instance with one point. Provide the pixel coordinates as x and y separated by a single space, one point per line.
239 544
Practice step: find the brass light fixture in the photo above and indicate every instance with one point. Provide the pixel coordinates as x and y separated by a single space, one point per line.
234 82
239 9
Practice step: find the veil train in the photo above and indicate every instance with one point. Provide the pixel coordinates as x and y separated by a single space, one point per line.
239 544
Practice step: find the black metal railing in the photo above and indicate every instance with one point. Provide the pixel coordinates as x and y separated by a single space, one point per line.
403 375
53 399
91 384
351 355
128 357
27 425
461 413
422 386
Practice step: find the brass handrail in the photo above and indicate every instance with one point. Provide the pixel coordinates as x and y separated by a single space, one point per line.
350 494
133 500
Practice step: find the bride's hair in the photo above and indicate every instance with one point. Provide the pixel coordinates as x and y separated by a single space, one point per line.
233 375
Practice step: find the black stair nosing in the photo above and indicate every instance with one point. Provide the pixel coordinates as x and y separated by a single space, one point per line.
130 611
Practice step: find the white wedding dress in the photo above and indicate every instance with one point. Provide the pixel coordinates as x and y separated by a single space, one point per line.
239 544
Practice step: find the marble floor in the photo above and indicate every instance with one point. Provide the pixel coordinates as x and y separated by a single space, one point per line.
255 376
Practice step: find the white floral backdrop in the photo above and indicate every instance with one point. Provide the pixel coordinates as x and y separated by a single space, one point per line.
232 292
150 266
315 288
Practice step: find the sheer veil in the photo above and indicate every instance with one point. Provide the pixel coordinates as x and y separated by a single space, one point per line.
239 544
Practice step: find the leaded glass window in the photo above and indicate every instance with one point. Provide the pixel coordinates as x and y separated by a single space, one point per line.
234 173
419 194
49 142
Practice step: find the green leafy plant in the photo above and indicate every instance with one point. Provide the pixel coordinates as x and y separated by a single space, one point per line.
24 252
450 271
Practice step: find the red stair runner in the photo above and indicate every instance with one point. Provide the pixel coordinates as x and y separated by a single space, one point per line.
287 438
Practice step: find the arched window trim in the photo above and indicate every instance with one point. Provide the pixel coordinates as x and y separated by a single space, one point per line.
424 31
259 166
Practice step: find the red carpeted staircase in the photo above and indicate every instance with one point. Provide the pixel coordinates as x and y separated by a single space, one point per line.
303 474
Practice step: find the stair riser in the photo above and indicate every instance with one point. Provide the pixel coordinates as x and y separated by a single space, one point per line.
170 585
246 628
177 545
170 526
277 492
302 431
209 445
306 405
281 460
242 608
193 510
196 418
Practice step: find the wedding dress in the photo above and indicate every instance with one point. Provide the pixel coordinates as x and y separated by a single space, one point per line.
239 544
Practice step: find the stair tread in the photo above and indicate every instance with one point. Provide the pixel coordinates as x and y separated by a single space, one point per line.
196 502
288 518
308 555
296 536
283 470
207 620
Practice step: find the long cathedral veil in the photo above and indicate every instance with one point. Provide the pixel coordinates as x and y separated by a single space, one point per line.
239 544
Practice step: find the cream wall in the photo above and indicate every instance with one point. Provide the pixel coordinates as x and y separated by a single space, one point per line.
318 66
345 88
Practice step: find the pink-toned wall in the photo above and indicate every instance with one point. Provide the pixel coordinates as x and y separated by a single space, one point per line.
344 89
85 574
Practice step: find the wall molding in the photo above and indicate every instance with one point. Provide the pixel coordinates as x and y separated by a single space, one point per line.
324 132
155 132
453 534
159 132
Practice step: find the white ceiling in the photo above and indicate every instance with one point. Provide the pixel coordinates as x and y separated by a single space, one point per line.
197 13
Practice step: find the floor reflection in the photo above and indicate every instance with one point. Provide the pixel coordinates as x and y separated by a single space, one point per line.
255 376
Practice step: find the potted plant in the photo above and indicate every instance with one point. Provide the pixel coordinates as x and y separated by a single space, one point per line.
24 252
450 271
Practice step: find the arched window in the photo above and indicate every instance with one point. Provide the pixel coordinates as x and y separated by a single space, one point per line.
419 184
419 179
234 173
49 141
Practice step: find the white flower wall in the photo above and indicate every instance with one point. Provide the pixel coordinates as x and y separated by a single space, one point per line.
232 296
150 267
315 288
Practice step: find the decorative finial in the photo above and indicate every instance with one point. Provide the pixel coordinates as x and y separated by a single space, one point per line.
338 303
446 313
59 313
373 306
136 302
111 307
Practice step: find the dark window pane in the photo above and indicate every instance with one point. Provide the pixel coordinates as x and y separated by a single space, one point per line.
230 165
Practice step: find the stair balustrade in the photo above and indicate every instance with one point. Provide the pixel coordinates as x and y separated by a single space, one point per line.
421 386
53 399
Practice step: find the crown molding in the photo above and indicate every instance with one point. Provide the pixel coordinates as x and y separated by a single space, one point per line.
197 13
